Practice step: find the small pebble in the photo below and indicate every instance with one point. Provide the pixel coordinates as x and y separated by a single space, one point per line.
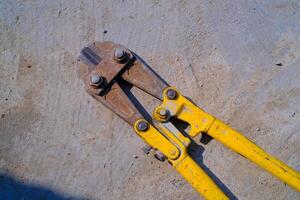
294 114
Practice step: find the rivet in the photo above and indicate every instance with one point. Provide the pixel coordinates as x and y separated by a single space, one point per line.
171 94
142 126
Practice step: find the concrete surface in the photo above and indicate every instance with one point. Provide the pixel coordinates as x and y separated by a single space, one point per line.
239 60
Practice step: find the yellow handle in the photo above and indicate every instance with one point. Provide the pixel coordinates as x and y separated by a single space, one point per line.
200 121
183 163
242 145
191 171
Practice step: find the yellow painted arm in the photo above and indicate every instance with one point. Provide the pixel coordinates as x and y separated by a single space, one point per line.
200 121
199 179
164 141
242 145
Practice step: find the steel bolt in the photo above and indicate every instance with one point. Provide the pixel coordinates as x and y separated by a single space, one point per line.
142 126
119 54
171 94
95 79
162 112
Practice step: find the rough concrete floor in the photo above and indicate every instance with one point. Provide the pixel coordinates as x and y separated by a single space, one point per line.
239 60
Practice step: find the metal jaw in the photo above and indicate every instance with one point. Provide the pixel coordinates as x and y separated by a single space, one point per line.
119 69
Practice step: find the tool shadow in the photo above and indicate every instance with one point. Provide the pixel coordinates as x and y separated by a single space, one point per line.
196 151
12 188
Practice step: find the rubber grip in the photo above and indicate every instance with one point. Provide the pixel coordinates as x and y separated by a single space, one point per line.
242 145
191 171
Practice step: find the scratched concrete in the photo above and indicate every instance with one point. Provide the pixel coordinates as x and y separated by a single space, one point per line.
239 60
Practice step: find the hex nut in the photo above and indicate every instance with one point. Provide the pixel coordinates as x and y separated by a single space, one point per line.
97 81
163 112
120 55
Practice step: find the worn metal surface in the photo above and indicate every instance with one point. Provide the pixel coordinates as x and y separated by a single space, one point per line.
106 66
239 60
116 64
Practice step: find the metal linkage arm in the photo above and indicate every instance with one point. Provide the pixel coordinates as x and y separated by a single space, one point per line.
174 146
182 108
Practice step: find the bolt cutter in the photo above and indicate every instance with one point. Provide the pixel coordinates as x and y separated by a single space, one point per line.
110 70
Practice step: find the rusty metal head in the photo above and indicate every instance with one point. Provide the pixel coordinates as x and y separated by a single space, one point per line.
104 67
